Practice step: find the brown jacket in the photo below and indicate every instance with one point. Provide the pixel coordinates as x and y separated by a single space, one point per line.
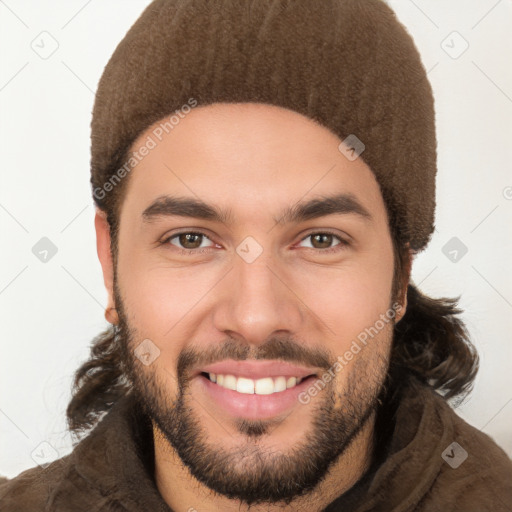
422 471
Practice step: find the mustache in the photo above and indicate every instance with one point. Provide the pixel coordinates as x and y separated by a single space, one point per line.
283 349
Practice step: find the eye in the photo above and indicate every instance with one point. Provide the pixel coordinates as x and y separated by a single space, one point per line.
322 241
189 240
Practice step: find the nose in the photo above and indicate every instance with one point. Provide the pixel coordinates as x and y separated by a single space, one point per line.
258 301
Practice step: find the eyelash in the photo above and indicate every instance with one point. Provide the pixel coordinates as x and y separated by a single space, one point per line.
343 243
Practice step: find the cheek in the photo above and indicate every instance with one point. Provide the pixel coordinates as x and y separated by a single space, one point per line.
351 298
158 293
164 303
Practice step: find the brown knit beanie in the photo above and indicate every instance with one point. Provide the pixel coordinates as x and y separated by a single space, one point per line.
348 64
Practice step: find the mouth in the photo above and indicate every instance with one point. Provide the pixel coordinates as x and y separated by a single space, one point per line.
261 386
254 391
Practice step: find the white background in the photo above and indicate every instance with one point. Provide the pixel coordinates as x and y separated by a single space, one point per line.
51 311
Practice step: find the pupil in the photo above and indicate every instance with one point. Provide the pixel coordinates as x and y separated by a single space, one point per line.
324 237
187 238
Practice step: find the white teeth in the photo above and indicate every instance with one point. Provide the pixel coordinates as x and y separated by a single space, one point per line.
230 382
280 384
264 386
245 385
292 381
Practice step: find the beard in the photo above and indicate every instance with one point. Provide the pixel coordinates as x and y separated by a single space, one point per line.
252 473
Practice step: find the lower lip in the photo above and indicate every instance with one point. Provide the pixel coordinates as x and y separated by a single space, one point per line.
253 406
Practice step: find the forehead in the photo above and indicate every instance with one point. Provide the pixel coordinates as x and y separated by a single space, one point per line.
251 159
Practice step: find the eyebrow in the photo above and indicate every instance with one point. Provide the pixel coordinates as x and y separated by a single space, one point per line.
166 206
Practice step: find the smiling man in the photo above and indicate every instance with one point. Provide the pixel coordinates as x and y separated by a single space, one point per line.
245 297
264 173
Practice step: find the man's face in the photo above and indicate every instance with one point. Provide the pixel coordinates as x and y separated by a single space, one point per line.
259 298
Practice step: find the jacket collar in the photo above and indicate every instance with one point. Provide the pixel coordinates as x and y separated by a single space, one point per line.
117 459
421 429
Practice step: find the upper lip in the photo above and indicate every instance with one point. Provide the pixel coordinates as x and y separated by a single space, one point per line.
258 369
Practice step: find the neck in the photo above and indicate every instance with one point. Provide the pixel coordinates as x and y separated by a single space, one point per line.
183 492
